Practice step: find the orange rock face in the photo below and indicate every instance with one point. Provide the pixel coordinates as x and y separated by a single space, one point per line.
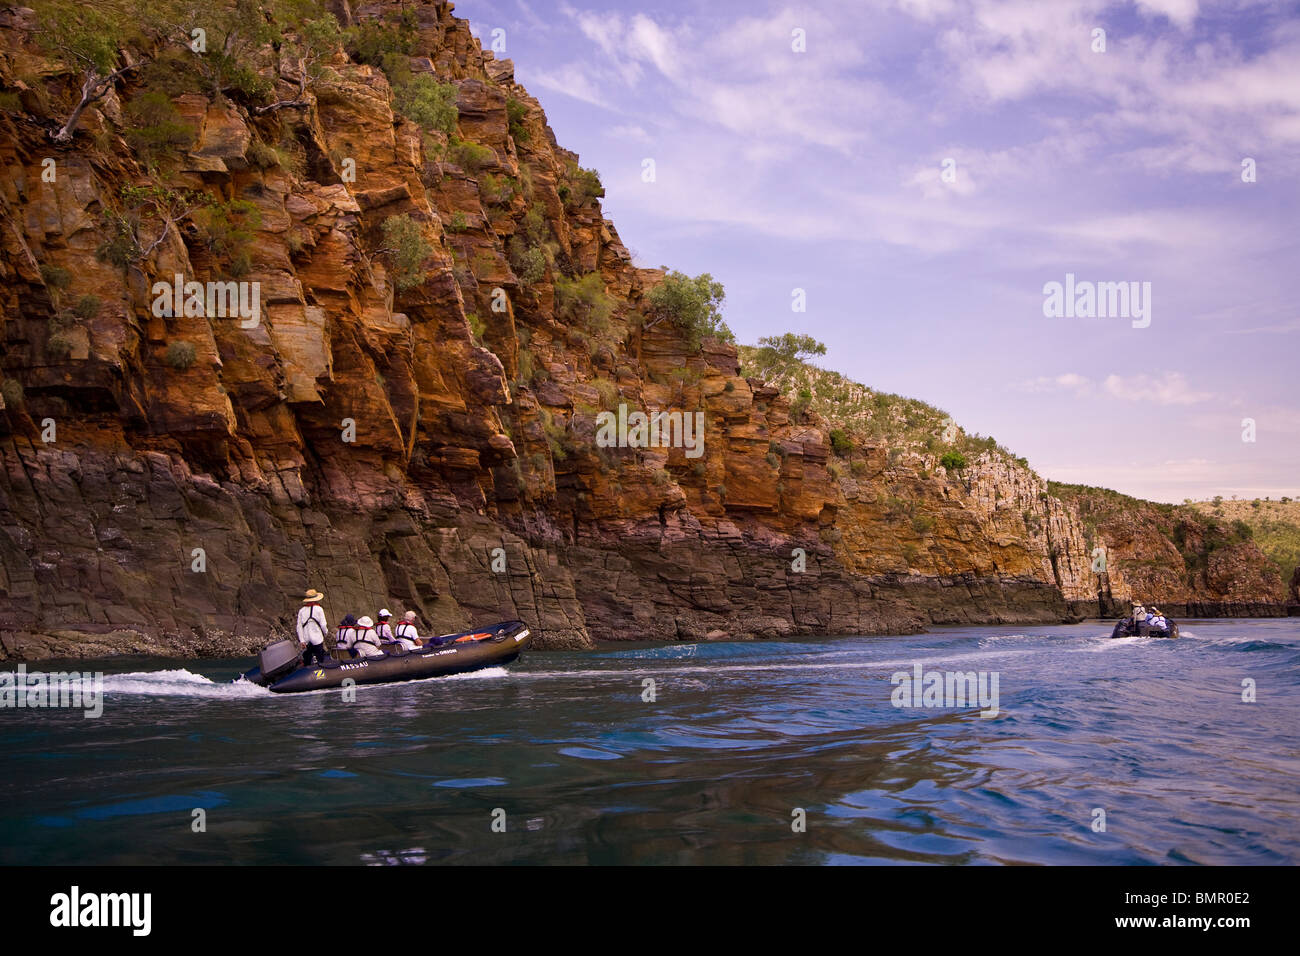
427 445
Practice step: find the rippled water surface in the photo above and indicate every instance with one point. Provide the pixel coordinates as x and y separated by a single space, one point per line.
1153 732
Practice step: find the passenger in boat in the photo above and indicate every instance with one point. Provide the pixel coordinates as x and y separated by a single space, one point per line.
346 637
407 633
386 636
311 628
1157 621
383 629
1140 625
367 642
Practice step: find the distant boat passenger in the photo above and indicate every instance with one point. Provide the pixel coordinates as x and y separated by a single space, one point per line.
386 633
311 628
407 631
345 637
367 642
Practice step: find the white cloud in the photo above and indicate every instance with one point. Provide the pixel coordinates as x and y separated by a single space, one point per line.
630 132
1172 388
1068 381
1181 12
571 80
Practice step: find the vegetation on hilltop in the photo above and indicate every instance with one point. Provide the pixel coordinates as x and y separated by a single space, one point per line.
1275 526
693 305
1196 535
860 414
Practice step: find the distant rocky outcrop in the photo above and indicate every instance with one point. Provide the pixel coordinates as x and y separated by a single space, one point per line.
411 421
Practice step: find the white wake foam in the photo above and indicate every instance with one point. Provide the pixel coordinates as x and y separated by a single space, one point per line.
183 683
177 683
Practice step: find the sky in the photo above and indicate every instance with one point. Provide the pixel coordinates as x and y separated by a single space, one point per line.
924 170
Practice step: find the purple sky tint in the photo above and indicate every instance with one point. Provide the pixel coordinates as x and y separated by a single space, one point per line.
821 170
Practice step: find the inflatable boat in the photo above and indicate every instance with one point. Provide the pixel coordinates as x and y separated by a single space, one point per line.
1125 628
280 668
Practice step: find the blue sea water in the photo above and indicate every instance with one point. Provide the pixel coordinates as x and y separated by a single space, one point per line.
577 758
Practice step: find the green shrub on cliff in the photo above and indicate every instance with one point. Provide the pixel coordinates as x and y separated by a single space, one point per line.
580 186
557 435
180 355
12 391
528 263
228 229
87 307
536 230
498 190
585 301
371 40
407 248
692 305
56 279
58 346
421 98
156 129
608 392
516 111
469 156
954 461
477 327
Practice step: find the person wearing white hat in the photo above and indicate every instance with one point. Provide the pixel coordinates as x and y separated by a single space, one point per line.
367 641
407 631
311 628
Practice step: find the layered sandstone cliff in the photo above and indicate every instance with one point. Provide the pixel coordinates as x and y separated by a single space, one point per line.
173 482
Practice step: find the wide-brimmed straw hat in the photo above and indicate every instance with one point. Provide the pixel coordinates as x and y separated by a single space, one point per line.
312 596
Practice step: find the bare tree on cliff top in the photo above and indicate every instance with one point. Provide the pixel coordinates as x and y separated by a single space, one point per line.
310 47
90 40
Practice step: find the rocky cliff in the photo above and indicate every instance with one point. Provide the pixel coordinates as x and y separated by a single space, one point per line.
410 417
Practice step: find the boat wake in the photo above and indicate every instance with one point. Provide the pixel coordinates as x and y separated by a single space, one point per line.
183 683
177 683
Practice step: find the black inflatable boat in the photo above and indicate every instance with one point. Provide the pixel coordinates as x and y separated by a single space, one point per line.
280 669
1125 628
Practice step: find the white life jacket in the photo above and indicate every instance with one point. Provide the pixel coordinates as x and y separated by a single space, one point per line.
366 635
385 632
347 636
407 631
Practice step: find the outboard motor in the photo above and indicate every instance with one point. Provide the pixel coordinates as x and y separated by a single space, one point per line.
278 659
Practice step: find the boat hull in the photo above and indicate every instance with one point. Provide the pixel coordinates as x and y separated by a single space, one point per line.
506 642
1123 630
